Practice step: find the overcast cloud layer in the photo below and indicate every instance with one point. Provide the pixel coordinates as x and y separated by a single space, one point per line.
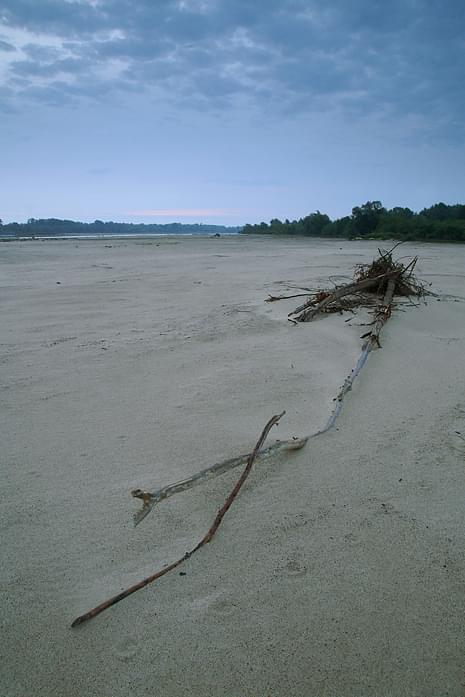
335 70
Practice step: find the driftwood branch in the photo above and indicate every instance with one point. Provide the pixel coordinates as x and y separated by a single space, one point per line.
317 298
205 539
150 499
365 290
382 314
227 504
309 310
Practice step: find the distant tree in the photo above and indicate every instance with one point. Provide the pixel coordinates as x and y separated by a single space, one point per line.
314 223
365 218
338 228
397 210
437 212
442 212
276 226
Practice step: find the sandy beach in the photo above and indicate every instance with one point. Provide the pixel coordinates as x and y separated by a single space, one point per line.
339 570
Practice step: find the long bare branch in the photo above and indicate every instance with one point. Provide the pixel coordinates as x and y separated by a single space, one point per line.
205 539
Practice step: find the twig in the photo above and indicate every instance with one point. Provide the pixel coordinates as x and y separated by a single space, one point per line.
273 298
205 539
395 247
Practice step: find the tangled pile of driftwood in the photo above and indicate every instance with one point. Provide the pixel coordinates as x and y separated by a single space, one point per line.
384 277
374 286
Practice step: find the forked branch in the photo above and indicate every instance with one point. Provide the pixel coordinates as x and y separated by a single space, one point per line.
205 539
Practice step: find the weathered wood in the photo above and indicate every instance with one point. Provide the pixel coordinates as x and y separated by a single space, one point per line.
227 504
309 313
205 539
382 314
150 499
317 298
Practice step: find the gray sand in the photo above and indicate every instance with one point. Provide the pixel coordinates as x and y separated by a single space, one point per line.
339 570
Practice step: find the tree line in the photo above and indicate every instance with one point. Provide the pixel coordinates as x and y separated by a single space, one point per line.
440 222
50 227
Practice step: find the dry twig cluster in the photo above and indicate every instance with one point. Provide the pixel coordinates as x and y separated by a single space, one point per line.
370 283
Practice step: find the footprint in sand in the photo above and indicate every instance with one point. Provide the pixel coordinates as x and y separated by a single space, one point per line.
222 606
126 648
295 568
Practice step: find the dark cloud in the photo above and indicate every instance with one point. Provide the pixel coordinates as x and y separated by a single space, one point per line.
31 69
43 54
53 16
5 46
400 57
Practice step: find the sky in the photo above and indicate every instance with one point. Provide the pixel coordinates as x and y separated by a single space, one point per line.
229 111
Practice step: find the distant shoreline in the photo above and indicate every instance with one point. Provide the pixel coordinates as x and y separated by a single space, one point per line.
113 236
205 236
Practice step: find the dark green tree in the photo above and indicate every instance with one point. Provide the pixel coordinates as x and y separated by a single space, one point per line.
365 218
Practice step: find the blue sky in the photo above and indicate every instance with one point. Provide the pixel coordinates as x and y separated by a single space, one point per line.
229 111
